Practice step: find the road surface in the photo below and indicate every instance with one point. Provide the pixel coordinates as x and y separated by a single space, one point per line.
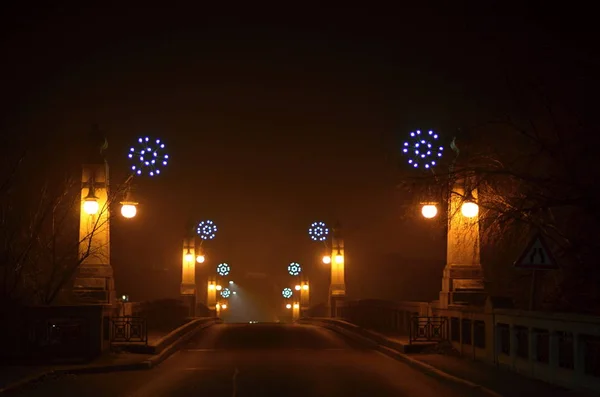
259 360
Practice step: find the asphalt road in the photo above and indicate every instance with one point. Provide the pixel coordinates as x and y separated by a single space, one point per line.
257 360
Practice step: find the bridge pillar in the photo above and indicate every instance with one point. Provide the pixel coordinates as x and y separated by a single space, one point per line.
211 295
188 274
304 297
337 289
94 282
462 280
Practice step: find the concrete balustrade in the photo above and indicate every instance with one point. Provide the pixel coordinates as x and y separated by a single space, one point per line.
559 348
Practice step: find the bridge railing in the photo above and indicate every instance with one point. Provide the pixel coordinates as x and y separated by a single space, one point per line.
560 348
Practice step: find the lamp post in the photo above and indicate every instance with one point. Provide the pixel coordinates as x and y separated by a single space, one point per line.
192 254
337 289
93 280
462 278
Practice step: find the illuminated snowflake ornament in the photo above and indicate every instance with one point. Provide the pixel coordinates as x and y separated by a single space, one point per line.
287 293
223 269
318 231
207 230
294 269
423 149
226 293
148 156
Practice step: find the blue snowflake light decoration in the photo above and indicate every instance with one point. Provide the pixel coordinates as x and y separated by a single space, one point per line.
287 293
226 292
148 156
318 231
423 149
294 269
207 230
223 269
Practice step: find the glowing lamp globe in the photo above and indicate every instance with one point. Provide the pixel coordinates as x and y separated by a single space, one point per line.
128 210
339 258
429 211
296 305
224 306
297 288
469 209
305 287
327 259
200 259
189 257
288 306
219 288
91 206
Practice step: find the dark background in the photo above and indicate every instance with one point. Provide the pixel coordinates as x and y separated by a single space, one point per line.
275 119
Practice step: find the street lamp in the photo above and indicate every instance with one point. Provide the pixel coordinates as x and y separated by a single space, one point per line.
297 288
200 258
189 257
326 259
463 276
90 204
339 258
219 288
429 210
288 306
128 205
469 209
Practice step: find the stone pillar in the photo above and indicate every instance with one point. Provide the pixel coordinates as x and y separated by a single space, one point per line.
337 289
188 274
304 297
211 294
462 279
93 281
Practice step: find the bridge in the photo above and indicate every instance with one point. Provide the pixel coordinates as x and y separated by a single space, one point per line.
334 348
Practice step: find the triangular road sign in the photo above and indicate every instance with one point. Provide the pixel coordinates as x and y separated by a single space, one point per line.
537 256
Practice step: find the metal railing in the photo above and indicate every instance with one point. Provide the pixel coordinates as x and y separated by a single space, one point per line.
424 328
129 329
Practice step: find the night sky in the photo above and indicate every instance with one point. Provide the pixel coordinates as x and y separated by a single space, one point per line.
272 122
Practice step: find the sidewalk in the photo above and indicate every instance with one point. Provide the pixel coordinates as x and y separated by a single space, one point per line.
14 375
502 381
161 344
20 374
443 357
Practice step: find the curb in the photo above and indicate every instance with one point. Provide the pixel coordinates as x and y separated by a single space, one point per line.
139 365
395 354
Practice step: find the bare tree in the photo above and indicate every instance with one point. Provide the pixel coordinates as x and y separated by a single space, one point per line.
531 175
39 231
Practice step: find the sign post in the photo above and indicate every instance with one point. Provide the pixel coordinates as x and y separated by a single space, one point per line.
536 256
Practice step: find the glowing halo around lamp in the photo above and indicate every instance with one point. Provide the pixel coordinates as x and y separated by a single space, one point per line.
189 257
339 258
469 209
297 288
288 306
326 259
429 211
200 259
